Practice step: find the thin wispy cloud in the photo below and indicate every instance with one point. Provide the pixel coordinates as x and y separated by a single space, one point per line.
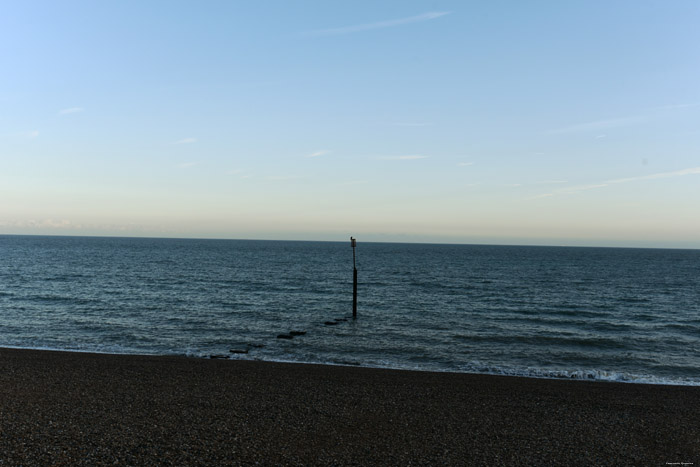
23 134
572 190
186 141
186 165
318 153
282 178
680 106
43 223
354 182
569 190
66 224
257 84
71 110
551 182
677 173
378 25
601 124
412 124
402 158
581 188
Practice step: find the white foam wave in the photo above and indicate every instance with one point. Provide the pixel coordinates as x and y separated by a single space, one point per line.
474 368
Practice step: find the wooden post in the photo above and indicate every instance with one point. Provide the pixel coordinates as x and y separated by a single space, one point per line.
354 280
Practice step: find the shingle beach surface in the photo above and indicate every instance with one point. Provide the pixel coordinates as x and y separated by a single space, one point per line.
61 408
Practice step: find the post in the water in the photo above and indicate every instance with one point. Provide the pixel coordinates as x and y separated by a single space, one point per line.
353 243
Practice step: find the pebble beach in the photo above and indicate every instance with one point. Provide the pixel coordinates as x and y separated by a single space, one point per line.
61 408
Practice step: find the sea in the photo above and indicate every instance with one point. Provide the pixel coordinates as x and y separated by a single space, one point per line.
608 314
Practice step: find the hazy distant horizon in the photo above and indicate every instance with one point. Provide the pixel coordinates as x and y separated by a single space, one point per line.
408 239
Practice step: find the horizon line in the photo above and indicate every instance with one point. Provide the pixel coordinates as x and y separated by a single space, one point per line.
534 243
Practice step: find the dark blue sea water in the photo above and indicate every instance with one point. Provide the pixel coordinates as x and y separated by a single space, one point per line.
590 313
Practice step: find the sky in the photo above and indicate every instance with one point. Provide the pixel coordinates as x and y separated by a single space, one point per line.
500 122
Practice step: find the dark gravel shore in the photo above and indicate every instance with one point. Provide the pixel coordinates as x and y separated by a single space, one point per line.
85 409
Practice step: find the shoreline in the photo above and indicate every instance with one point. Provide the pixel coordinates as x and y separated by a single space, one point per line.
640 379
75 408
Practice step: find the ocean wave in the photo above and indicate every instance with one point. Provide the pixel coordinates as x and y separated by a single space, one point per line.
482 369
591 375
474 368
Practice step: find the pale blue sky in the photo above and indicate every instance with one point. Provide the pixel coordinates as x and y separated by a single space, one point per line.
543 122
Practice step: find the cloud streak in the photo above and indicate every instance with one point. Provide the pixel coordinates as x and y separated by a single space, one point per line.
31 134
599 125
581 188
551 182
71 110
412 124
44 223
402 158
318 153
186 141
378 25
282 178
680 106
677 173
